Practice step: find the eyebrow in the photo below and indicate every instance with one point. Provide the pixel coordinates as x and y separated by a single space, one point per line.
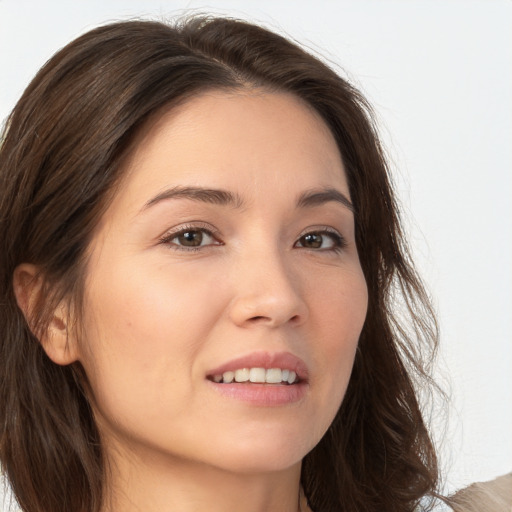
312 198
308 199
205 195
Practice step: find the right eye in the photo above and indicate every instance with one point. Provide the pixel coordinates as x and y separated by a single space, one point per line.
189 238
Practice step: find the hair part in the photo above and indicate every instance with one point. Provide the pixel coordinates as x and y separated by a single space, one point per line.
61 160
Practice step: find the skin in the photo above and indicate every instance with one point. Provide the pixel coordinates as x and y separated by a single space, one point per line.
159 316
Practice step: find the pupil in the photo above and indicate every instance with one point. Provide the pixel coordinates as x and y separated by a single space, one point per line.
313 241
191 238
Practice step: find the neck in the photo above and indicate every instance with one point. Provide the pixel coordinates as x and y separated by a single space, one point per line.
153 485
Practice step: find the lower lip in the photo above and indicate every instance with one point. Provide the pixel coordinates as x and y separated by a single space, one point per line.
263 395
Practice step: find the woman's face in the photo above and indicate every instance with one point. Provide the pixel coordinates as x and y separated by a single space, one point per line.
228 253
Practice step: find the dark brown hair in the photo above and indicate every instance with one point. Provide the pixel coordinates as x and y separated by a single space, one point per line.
60 159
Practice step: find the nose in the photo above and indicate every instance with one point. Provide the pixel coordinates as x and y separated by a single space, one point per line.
267 292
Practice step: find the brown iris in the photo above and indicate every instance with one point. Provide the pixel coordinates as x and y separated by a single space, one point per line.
311 241
191 238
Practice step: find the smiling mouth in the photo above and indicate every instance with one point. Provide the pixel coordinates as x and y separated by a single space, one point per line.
276 376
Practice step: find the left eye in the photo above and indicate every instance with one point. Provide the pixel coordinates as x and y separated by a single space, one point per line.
320 240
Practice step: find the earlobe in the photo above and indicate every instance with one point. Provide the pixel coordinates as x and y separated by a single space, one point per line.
56 338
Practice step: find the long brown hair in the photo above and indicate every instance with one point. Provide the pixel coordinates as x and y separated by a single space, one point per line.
60 160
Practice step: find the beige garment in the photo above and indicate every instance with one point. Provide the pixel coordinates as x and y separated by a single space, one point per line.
493 496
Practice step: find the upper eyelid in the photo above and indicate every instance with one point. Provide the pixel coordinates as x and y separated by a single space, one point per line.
193 225
210 229
323 229
320 229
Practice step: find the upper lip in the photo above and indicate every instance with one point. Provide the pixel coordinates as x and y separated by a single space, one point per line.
267 360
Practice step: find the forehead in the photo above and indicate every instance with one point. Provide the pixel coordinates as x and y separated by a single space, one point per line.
246 141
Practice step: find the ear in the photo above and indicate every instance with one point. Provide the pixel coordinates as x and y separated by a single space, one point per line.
57 339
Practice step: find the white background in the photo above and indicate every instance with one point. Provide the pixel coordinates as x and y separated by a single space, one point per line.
439 74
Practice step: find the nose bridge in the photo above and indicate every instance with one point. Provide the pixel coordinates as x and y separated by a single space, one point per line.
267 289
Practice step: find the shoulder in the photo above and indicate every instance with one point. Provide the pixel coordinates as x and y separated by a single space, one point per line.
492 496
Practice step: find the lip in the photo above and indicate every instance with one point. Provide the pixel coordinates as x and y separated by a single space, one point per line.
263 395
267 360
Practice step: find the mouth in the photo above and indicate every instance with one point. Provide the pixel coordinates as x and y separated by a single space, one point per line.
262 379
273 376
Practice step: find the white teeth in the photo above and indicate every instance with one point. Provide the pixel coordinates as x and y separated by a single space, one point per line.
228 377
274 376
257 375
242 375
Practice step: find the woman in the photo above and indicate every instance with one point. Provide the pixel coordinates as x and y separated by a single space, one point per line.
202 268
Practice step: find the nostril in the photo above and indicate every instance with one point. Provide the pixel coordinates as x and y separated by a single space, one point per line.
258 318
264 308
262 318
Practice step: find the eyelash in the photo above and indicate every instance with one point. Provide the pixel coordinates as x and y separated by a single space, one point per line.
339 242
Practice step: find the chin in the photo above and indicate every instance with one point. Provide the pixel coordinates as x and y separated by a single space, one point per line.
260 453
258 464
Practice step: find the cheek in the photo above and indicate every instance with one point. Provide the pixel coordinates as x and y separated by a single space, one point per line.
142 334
339 308
340 313
149 310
